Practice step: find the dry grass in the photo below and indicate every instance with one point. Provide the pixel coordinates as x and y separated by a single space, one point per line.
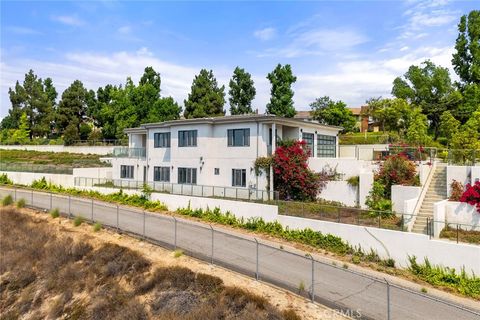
47 275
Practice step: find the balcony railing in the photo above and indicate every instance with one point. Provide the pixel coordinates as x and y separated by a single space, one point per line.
125 152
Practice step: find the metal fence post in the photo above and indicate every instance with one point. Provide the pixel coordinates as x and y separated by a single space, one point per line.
117 217
51 200
256 265
92 209
388 299
312 292
457 232
15 194
403 223
143 224
175 233
69 206
32 197
213 232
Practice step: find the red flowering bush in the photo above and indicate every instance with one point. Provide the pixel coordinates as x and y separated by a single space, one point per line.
472 195
397 169
293 179
456 192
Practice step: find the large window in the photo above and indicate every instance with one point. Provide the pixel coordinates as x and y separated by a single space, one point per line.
187 175
126 172
239 177
308 138
161 140
238 137
187 138
326 146
161 174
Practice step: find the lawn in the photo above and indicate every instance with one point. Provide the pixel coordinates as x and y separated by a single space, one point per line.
65 159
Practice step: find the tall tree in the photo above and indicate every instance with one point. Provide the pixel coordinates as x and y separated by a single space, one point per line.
334 113
392 114
281 100
466 59
30 98
242 92
430 87
206 99
448 126
72 108
417 132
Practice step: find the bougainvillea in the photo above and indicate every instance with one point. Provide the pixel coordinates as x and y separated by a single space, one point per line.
397 169
472 195
292 177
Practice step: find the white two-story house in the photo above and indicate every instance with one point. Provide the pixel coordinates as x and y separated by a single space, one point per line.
216 152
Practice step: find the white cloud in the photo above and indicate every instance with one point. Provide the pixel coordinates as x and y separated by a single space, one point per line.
22 30
265 34
69 20
124 30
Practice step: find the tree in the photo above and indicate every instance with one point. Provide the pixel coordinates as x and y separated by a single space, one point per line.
334 113
72 108
466 59
21 135
417 132
242 92
281 100
164 109
468 137
429 87
448 125
206 99
393 114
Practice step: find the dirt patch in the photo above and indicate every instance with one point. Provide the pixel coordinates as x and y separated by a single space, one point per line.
51 269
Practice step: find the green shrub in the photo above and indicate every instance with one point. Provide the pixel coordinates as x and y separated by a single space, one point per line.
353 181
8 200
4 179
55 213
97 227
78 221
177 253
446 277
21 203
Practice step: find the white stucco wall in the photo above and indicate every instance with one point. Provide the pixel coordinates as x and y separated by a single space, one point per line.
99 173
26 178
400 194
458 173
349 167
101 150
475 174
462 213
396 245
340 191
365 185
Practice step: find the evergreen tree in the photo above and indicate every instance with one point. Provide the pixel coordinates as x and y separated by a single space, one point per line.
466 59
242 92
206 99
21 135
281 100
448 125
334 113
72 108
417 132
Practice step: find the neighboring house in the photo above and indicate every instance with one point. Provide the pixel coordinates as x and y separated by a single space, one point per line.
214 151
362 121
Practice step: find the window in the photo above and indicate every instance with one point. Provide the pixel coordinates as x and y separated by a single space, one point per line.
308 138
187 138
187 175
326 146
277 138
126 172
238 137
161 140
239 177
217 171
161 174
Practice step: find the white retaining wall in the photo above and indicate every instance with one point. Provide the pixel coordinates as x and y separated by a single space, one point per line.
396 245
459 173
400 194
365 185
102 150
26 178
349 167
456 212
340 191
100 173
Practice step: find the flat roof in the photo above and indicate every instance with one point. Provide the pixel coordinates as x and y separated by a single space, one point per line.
265 118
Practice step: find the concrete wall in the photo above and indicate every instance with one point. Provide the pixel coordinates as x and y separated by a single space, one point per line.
459 173
349 167
400 194
365 185
340 191
396 245
100 173
102 150
26 178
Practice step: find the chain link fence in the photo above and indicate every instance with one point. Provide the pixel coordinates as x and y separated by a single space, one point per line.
346 291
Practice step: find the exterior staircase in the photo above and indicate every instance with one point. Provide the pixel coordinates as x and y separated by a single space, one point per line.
437 191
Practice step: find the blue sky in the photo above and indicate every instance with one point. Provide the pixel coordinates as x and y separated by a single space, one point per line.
349 50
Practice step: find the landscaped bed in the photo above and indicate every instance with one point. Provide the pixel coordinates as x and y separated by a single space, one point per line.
452 233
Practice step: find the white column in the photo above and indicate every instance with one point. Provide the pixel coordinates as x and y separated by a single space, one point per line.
274 138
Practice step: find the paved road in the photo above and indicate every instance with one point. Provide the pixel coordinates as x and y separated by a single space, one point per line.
335 287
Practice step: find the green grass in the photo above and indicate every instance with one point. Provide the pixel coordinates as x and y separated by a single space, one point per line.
463 235
97 227
55 213
21 203
177 253
7 200
78 221
76 160
4 179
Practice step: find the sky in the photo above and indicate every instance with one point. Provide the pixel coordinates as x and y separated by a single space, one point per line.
348 50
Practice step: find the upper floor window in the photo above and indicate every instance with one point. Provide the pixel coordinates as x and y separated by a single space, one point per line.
187 138
239 177
238 137
308 138
126 172
161 174
326 146
161 140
